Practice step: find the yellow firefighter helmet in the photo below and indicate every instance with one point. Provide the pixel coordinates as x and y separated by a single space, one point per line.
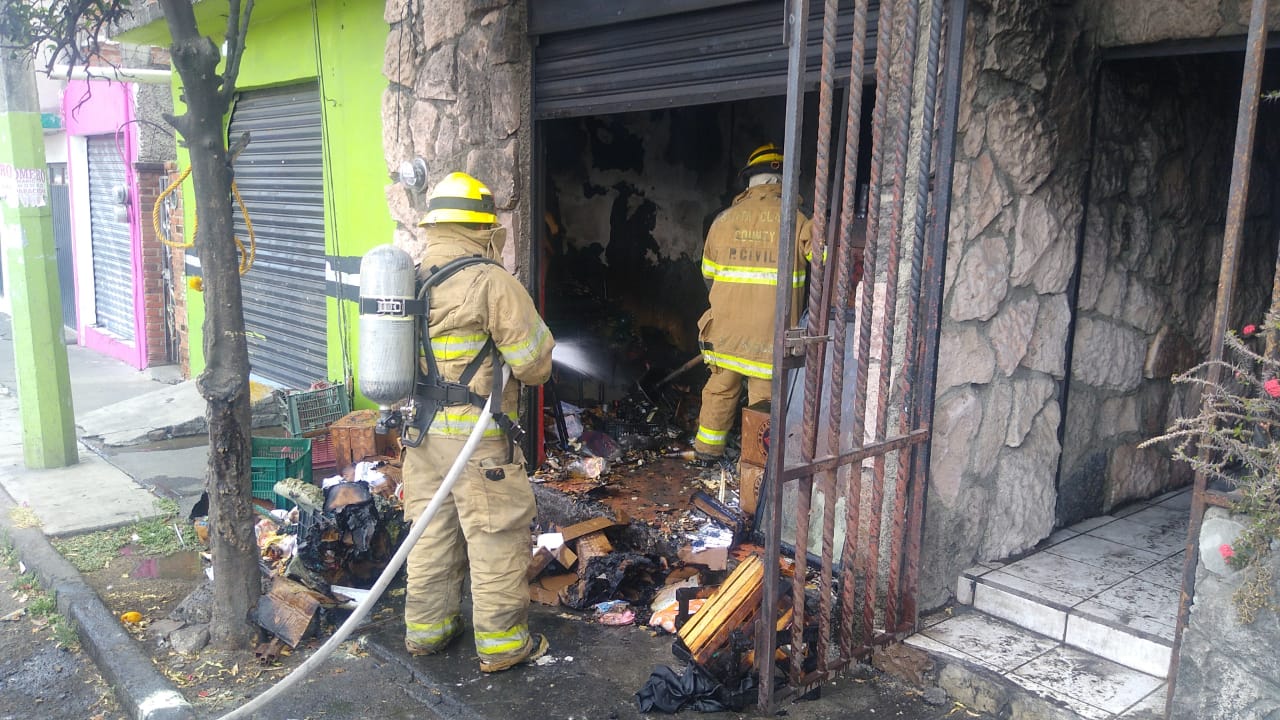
765 159
460 198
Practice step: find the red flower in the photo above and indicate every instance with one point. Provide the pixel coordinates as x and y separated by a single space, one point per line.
1272 387
1226 551
1249 330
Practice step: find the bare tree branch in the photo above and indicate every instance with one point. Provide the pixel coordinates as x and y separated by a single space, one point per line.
237 31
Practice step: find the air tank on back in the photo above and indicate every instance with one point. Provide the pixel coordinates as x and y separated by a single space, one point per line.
388 354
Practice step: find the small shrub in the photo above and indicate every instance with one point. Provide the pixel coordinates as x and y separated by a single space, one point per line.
8 553
64 633
42 606
25 583
1235 440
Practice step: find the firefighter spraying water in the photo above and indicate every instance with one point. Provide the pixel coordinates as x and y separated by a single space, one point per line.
438 344
472 319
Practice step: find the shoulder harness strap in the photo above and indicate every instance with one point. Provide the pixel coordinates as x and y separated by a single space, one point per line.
434 392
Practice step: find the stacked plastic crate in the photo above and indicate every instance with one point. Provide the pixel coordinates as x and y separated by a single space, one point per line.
275 459
309 413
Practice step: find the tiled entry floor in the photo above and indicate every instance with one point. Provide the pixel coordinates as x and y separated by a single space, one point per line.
1087 619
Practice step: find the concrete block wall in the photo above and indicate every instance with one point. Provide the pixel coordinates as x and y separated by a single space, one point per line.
150 177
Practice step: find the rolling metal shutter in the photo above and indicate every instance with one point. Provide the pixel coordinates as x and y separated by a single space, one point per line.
110 244
595 58
281 179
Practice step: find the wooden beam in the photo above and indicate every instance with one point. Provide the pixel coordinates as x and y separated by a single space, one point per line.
586 527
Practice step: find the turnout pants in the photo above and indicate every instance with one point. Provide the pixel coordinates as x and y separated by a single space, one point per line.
720 407
482 527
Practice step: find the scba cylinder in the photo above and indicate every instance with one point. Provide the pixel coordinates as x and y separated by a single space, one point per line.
387 327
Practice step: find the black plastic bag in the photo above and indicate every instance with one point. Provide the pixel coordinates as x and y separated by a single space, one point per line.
667 692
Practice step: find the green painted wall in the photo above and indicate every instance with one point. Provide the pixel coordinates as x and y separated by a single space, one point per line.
352 37
282 49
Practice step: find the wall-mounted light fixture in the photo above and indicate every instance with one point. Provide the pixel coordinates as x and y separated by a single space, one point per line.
413 173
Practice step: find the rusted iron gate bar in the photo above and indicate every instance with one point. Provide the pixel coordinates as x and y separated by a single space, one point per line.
1237 204
840 467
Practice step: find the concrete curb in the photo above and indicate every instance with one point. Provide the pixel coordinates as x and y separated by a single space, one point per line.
141 689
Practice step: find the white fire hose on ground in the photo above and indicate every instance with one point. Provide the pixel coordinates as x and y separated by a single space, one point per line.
379 587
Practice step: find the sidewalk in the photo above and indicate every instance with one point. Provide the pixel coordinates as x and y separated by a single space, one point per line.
92 494
88 496
596 668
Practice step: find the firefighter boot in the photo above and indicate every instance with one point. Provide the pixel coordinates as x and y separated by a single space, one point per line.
430 639
534 647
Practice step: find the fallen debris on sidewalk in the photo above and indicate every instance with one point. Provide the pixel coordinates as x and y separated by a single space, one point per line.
323 539
288 611
716 630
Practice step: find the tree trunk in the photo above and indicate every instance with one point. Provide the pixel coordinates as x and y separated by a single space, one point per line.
224 384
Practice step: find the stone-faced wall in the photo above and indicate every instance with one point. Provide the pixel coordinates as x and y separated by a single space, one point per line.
152 101
458 96
1020 163
1149 275
1129 22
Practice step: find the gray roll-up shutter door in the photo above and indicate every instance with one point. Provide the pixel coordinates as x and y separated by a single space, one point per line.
110 244
281 179
594 58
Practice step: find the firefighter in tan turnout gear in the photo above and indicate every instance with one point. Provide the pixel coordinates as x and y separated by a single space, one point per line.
483 526
740 261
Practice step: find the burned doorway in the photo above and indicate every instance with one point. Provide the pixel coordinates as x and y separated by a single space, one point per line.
644 116
627 202
1149 267
628 199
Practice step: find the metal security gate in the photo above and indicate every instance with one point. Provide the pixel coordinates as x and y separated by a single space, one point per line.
597 58
851 489
110 243
281 179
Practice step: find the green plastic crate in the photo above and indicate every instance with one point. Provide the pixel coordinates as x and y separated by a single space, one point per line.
310 410
275 459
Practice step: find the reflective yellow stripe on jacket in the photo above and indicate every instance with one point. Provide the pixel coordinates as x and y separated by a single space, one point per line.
502 642
461 420
452 347
522 353
742 366
747 275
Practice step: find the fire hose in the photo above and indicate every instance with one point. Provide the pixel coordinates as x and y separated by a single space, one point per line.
379 587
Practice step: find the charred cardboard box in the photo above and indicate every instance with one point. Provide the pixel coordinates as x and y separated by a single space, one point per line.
755 454
755 434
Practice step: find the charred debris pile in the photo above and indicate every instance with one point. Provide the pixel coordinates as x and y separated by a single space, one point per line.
649 538
618 444
666 541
